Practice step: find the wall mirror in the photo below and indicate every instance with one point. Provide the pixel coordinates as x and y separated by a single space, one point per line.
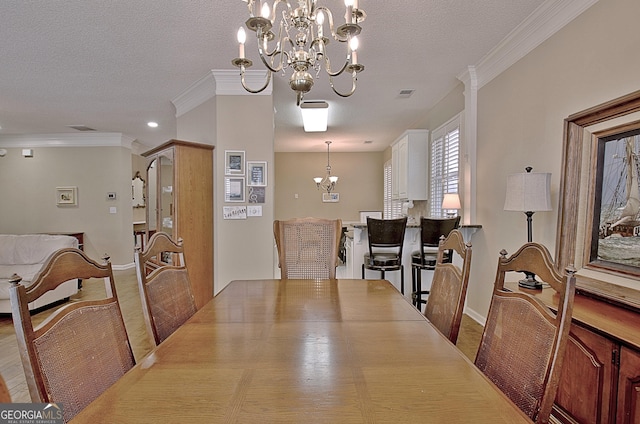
137 191
594 227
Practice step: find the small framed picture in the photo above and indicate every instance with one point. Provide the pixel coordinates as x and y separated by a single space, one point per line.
256 194
234 162
67 196
256 173
234 189
330 197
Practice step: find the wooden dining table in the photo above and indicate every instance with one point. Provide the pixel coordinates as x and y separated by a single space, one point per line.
304 351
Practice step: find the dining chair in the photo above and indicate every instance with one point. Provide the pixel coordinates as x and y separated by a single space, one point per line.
431 229
5 397
523 343
386 239
449 286
83 347
165 292
308 247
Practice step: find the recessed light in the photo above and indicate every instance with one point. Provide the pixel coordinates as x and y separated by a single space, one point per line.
152 124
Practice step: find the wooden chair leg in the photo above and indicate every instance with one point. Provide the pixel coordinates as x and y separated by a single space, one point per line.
402 279
419 289
363 271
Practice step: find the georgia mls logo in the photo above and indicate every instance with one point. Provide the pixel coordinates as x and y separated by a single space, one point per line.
31 413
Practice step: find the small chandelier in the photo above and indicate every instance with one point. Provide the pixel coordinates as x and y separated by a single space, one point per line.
328 183
300 43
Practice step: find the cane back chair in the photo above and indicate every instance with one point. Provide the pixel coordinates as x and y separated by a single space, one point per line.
308 247
165 293
449 286
523 342
431 229
5 397
386 239
83 347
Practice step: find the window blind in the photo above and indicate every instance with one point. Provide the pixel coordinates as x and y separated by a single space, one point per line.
445 165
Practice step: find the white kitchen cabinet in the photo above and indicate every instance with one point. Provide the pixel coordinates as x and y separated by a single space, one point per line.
409 158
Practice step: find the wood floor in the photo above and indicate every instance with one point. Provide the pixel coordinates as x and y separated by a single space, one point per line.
127 289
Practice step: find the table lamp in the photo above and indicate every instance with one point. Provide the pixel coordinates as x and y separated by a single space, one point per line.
529 192
451 201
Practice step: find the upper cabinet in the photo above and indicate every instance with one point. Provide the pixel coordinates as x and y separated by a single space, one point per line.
409 158
180 202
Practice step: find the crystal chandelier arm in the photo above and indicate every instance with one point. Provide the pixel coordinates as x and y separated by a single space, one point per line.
278 50
353 86
327 66
250 90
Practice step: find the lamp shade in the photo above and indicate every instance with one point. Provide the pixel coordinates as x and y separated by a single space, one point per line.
451 201
528 192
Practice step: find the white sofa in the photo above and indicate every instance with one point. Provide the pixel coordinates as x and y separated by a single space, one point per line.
25 255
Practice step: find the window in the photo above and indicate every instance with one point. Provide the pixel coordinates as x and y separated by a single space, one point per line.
392 208
445 165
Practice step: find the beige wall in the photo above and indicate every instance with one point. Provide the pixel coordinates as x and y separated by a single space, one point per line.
243 249
29 200
359 185
520 123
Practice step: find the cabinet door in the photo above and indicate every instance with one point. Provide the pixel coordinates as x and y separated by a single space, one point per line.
629 387
403 168
587 379
395 172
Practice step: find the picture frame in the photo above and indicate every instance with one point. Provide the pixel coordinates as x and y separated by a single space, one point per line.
234 162
257 173
330 197
256 194
234 189
67 196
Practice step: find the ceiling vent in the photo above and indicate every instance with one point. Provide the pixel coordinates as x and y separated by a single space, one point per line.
80 127
405 94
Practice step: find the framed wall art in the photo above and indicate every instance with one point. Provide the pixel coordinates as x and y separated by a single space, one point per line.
67 196
257 173
234 162
234 189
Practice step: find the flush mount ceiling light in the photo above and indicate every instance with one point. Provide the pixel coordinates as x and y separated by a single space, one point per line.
152 124
314 115
298 42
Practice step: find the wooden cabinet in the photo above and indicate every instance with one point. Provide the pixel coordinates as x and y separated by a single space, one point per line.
409 154
587 382
629 387
180 202
600 379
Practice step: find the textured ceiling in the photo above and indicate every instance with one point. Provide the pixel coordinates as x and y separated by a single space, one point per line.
114 65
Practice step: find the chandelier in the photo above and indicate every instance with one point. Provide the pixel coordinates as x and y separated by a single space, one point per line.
328 183
300 42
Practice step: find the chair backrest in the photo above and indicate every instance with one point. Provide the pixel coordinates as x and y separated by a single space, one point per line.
5 397
166 294
431 229
523 342
82 348
308 247
386 234
449 286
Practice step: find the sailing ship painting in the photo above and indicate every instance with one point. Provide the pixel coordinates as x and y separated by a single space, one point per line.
618 238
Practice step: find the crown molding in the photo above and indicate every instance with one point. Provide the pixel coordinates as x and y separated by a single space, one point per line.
196 94
97 139
546 20
219 82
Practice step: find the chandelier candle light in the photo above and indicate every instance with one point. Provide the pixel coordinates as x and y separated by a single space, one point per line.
328 183
300 42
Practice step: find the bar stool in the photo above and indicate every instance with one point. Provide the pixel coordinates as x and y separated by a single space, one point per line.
425 259
386 237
